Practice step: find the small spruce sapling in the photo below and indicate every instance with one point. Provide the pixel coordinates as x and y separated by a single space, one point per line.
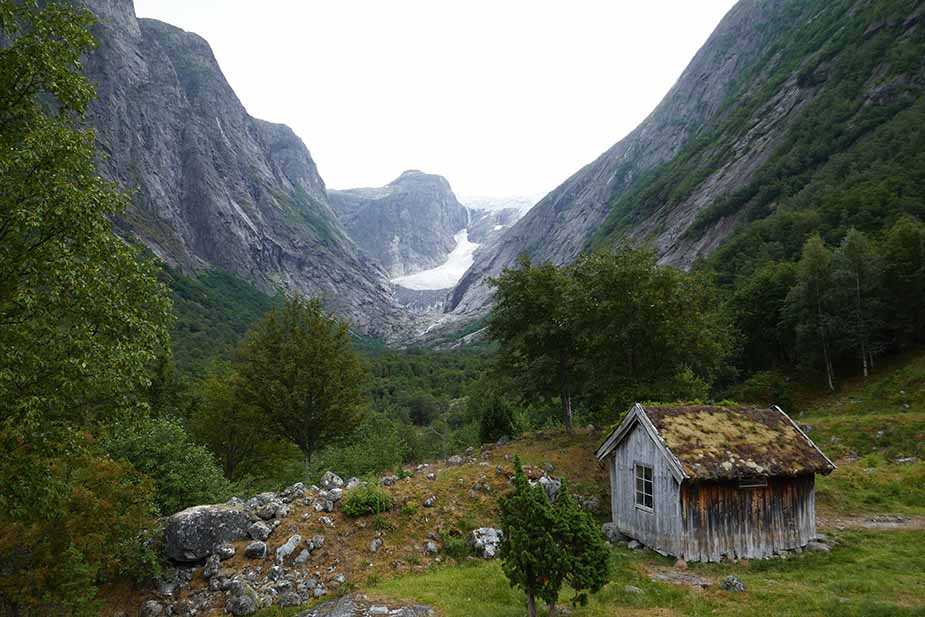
546 545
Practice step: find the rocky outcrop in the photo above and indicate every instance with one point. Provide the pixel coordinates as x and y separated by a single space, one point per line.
408 225
564 222
212 185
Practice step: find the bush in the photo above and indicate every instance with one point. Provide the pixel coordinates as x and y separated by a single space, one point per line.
366 500
184 473
496 419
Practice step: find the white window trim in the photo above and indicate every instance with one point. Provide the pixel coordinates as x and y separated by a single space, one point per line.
641 506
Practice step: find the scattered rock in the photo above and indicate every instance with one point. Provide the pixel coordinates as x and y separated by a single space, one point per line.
634 545
212 566
304 556
224 551
357 605
430 502
316 542
256 550
485 542
818 547
375 545
192 534
678 577
431 476
455 460
551 487
259 531
152 608
388 480
733 584
680 564
331 480
268 511
431 548
631 589
288 548
612 533
351 484
243 600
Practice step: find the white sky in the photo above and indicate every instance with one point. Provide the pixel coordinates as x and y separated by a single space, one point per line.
503 97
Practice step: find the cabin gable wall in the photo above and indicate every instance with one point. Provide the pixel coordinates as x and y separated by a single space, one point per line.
659 528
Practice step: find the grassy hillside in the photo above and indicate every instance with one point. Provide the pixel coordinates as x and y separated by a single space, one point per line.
872 508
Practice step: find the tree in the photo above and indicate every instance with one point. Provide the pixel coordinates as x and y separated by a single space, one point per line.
857 275
496 418
647 331
903 254
297 367
184 473
534 323
545 546
82 317
232 429
810 303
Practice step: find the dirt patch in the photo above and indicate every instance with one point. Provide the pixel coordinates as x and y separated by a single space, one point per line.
876 521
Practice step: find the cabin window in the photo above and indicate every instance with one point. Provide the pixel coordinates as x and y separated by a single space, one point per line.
754 482
644 487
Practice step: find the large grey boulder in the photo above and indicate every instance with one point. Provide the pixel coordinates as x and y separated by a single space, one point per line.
193 534
485 542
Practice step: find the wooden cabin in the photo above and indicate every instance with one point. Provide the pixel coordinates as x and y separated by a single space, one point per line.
706 482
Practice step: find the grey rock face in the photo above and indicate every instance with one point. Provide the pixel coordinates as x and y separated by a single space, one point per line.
558 228
408 225
192 534
214 186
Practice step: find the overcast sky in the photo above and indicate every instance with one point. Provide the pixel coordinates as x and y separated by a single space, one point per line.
503 97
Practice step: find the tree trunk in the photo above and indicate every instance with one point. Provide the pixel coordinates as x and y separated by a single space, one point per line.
825 343
861 330
567 412
552 610
531 604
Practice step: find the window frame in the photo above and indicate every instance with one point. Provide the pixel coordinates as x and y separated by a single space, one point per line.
748 482
637 491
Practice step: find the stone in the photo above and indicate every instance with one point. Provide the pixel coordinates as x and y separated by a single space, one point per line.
631 589
225 551
331 480
191 535
455 460
431 476
316 542
485 542
243 600
259 531
275 573
551 487
319 591
303 556
267 511
152 608
431 548
288 548
351 484
357 605
430 502
733 584
335 494
388 480
634 545
818 547
256 550
680 564
375 545
213 564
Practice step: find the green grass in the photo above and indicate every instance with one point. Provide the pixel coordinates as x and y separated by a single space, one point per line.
868 574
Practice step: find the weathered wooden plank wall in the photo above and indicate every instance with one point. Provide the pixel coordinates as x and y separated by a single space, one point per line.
719 518
659 529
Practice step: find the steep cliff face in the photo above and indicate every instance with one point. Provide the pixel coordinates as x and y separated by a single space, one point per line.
408 225
214 186
762 83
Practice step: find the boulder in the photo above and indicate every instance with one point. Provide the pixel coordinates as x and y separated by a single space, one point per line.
375 545
818 547
485 542
256 550
733 584
612 533
454 460
152 608
191 535
243 600
551 487
288 548
430 502
213 565
259 531
331 480
352 483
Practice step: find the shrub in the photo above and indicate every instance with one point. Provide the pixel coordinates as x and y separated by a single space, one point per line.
366 499
496 420
454 546
184 473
